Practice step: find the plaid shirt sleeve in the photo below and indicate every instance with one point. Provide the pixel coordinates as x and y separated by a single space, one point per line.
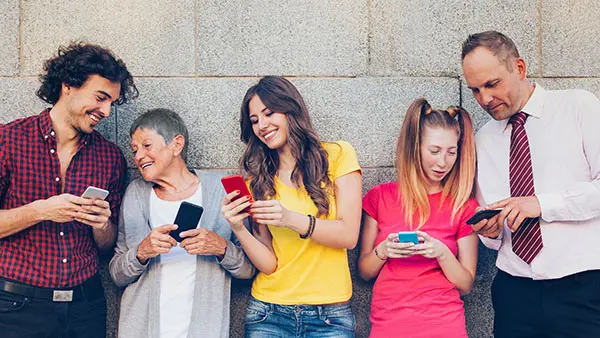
116 187
4 180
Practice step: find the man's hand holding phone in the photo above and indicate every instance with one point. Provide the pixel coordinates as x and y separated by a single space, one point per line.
95 211
157 242
486 226
516 209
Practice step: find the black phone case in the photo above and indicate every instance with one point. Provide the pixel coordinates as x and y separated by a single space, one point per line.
187 218
482 214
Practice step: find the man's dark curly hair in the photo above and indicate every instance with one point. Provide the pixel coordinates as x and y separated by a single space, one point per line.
75 63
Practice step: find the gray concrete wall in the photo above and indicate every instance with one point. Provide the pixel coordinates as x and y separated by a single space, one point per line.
358 63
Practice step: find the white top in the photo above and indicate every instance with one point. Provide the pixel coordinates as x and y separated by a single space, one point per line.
564 138
178 272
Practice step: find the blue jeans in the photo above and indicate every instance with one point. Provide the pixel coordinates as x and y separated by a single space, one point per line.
301 321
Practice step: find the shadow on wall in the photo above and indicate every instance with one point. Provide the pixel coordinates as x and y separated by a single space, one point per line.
478 306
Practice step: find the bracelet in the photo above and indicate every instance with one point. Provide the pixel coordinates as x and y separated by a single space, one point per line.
314 223
311 227
377 254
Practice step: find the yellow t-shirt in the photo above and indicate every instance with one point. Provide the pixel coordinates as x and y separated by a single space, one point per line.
308 272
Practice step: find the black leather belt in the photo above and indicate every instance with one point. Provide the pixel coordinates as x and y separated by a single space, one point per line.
90 289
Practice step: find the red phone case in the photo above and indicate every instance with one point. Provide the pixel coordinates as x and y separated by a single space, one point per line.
236 182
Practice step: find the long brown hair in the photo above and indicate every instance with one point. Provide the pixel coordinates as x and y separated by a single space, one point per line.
458 183
262 163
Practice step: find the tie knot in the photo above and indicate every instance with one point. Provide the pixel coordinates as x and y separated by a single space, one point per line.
518 119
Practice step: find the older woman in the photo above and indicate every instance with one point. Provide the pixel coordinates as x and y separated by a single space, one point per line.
173 289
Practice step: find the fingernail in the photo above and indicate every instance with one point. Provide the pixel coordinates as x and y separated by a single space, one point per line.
237 191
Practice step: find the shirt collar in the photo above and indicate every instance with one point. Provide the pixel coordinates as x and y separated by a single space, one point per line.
533 107
46 124
48 131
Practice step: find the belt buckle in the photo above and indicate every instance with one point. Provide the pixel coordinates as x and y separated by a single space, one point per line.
62 295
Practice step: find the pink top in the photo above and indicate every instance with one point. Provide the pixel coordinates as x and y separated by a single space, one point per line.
412 296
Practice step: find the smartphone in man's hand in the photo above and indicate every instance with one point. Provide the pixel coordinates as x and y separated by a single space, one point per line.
93 192
483 214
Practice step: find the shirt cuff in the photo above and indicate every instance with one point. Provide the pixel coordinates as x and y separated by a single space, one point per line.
135 263
492 243
550 205
228 259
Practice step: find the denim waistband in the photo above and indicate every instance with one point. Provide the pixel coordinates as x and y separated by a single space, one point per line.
300 308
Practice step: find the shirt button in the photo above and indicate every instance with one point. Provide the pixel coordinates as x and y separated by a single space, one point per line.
64 260
61 233
52 133
57 179
45 137
52 151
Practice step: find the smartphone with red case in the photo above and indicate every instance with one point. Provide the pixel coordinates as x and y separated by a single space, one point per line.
236 182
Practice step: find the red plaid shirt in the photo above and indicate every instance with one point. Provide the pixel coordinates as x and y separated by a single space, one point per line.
51 254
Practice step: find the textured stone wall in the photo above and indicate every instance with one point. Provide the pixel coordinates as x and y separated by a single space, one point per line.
358 64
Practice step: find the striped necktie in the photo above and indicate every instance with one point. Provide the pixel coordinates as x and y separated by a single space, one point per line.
527 239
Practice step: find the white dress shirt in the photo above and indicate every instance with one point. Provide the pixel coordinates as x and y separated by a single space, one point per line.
563 129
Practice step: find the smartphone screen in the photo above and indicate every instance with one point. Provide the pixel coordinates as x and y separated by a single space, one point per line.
187 218
236 182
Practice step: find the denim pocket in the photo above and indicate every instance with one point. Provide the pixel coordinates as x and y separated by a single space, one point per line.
12 303
342 319
256 312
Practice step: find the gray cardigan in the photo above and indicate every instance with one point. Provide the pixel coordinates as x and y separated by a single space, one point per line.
139 314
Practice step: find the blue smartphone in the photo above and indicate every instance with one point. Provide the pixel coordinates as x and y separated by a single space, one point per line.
408 237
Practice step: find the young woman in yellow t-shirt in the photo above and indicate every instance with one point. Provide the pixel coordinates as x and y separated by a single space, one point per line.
306 215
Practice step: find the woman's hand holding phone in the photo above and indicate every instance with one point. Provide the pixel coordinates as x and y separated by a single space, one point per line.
157 242
270 212
430 247
232 209
203 242
390 247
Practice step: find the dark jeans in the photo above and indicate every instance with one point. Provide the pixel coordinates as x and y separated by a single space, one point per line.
300 321
565 307
23 317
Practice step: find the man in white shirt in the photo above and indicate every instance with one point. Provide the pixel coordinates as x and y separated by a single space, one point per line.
538 160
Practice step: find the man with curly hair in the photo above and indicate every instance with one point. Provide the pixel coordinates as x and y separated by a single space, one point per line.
50 237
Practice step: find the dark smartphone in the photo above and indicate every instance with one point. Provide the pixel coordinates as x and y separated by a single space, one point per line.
483 214
236 182
187 218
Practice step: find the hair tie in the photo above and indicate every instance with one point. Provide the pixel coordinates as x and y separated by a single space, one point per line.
427 108
453 111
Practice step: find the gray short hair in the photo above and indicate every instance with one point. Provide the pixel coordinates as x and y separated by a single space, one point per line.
501 45
165 123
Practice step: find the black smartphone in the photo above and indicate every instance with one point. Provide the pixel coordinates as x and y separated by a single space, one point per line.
483 214
187 218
